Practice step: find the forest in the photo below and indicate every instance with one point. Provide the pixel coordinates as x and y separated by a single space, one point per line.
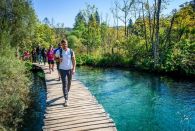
148 40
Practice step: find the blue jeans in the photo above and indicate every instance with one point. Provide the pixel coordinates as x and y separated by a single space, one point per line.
66 76
39 58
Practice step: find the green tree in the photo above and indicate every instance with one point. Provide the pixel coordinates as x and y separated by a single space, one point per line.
17 27
18 20
44 35
87 28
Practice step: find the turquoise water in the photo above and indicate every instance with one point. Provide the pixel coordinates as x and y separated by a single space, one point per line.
33 120
139 101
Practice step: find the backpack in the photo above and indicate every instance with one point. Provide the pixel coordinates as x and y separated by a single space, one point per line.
71 53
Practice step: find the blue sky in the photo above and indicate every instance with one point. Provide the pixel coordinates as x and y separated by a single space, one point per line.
64 11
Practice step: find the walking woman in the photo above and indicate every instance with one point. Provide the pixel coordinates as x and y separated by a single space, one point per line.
50 57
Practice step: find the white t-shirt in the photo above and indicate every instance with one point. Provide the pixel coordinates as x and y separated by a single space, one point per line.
66 63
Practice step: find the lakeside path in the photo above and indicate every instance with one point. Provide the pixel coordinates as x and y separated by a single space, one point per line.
83 112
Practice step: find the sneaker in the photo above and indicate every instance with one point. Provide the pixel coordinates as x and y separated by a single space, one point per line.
66 103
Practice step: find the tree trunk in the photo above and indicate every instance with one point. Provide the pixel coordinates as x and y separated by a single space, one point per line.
145 35
167 39
149 18
125 24
156 50
153 30
88 40
117 26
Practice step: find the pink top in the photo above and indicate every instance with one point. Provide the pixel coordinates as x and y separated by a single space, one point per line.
50 55
26 54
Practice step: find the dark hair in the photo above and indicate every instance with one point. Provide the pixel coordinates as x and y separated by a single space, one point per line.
64 41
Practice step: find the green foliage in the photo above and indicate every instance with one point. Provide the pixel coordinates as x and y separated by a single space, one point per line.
80 21
18 18
14 89
73 41
28 65
44 35
112 60
87 28
108 46
108 60
181 58
86 60
90 60
17 24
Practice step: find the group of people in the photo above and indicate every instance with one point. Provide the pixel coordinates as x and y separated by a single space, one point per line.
39 55
42 55
65 62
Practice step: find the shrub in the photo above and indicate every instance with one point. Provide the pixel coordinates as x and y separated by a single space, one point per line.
112 60
14 90
180 58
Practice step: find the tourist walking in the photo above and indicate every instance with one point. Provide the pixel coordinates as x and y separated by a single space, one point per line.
50 58
67 67
34 55
26 55
44 55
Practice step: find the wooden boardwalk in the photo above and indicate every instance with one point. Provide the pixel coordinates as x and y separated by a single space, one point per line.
83 113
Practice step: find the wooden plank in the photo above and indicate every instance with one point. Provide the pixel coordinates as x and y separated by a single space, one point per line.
75 118
79 122
57 111
73 113
83 126
83 112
